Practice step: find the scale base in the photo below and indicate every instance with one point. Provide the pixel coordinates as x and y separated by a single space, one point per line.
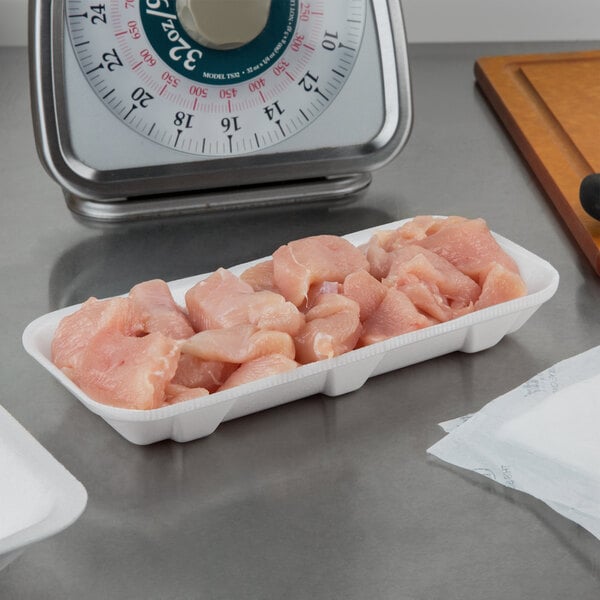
327 190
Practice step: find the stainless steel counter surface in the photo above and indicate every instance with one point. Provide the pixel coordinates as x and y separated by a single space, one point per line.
323 498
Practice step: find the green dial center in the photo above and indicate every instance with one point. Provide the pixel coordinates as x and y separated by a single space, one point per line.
219 42
223 24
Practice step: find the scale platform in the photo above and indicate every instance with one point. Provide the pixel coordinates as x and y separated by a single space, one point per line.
550 105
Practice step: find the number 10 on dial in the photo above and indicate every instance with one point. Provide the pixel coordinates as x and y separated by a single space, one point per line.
154 107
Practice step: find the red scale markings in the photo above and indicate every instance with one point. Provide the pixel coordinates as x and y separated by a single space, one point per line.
311 28
246 105
148 80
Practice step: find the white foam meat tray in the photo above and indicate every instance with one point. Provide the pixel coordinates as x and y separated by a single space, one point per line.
200 417
38 496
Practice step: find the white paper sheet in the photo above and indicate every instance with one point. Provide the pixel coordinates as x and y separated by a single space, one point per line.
542 438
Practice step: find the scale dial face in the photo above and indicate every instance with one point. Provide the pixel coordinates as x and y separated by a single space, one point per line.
155 77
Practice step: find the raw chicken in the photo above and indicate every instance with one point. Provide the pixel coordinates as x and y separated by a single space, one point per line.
265 366
500 285
378 257
223 300
238 344
412 262
470 247
299 264
157 311
208 302
193 372
382 244
268 310
176 393
76 331
364 289
428 299
125 371
332 328
413 230
318 289
395 315
260 276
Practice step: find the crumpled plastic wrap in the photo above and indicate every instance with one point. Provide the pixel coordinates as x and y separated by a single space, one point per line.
542 438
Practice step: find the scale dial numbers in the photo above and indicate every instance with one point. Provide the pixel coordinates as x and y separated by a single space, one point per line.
157 80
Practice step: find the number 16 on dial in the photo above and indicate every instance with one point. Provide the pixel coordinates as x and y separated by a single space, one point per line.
157 107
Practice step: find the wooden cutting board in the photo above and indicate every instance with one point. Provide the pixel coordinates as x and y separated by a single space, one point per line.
550 105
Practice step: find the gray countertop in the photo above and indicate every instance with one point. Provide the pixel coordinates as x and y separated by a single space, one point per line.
324 497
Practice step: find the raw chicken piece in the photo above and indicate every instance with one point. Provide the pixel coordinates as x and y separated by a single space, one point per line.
157 310
260 277
415 229
409 262
299 264
268 310
175 393
238 344
395 315
193 372
223 300
385 238
427 298
364 289
332 328
382 244
208 302
318 289
265 366
127 372
442 222
76 331
378 258
500 285
470 247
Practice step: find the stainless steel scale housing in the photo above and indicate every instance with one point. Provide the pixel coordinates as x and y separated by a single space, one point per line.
157 107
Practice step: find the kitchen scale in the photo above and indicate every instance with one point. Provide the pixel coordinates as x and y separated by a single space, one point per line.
148 108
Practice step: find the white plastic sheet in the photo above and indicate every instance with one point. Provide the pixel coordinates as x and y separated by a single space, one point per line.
542 438
38 496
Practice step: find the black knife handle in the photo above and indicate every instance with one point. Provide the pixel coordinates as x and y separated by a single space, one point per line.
589 195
